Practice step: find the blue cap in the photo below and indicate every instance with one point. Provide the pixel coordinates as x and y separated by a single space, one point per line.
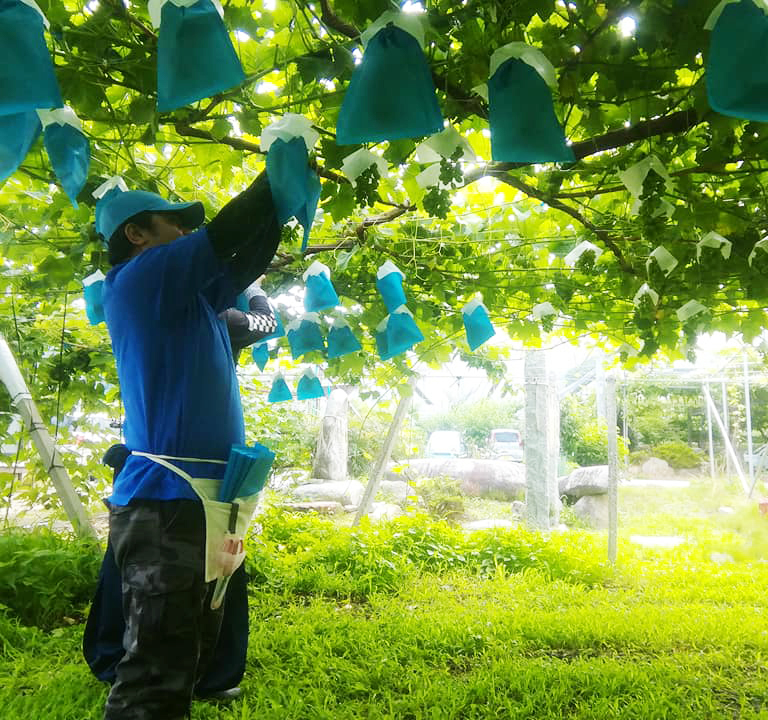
116 206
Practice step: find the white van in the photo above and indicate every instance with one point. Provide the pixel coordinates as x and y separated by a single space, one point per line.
446 443
506 443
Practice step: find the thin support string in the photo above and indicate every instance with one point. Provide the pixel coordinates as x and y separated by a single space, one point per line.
61 357
12 487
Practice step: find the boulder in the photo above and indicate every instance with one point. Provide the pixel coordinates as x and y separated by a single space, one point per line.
346 492
284 480
384 511
656 468
396 490
488 524
478 478
518 508
321 507
593 510
591 480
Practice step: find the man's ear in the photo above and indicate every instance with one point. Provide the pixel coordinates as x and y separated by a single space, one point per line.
136 234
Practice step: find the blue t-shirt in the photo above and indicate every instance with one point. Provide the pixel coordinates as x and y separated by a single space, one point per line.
175 365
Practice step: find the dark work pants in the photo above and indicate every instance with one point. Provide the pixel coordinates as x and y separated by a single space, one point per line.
170 629
104 629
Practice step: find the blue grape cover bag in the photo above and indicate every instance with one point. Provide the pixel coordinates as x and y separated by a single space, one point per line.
305 336
737 65
295 186
279 392
18 132
260 355
309 386
70 154
195 57
522 119
391 94
27 78
341 340
477 324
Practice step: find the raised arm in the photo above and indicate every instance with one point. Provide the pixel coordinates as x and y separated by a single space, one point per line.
245 233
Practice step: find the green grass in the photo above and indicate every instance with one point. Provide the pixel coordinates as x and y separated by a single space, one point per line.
418 620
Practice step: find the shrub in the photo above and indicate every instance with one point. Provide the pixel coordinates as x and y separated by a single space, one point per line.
679 455
442 497
43 576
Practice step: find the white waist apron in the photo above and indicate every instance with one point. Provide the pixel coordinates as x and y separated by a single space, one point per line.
226 523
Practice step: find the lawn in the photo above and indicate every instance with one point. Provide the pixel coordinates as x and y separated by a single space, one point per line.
415 619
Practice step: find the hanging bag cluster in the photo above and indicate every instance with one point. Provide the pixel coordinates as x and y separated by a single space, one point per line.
27 80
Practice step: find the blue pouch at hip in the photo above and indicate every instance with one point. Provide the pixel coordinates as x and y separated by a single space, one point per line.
305 336
309 387
70 154
737 66
17 134
246 472
477 325
279 392
195 57
521 116
260 355
27 78
295 186
391 288
341 340
391 94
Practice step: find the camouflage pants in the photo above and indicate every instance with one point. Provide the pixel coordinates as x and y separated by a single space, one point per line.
170 628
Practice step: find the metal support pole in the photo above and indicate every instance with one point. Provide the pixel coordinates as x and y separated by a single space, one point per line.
21 399
613 468
381 464
709 439
728 445
726 424
748 416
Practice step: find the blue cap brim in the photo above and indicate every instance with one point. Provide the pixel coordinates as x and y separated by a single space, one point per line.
117 207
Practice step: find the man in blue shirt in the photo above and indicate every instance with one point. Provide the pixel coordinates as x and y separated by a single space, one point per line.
103 634
162 301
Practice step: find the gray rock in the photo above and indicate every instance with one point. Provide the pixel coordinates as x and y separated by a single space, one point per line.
656 467
396 490
384 511
593 510
346 492
284 480
592 480
321 507
479 478
518 508
488 524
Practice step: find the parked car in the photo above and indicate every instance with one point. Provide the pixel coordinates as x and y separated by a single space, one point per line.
506 444
446 443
